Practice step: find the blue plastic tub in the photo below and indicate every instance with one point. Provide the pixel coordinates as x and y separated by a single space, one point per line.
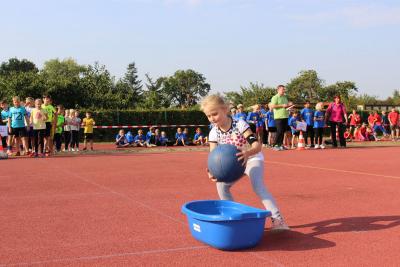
225 225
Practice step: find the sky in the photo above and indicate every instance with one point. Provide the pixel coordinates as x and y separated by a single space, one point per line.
231 42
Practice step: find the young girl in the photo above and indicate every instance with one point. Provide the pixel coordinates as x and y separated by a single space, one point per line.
228 130
319 124
140 139
29 106
67 131
59 128
75 124
271 126
293 126
38 119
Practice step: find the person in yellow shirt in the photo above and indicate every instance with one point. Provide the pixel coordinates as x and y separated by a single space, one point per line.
50 123
38 120
88 124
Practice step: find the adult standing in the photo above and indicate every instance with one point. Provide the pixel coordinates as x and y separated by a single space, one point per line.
280 105
336 116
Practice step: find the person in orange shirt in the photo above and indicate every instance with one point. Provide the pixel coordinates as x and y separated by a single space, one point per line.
394 124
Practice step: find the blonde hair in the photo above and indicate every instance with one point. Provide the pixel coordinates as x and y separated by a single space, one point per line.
213 101
16 98
319 106
256 106
29 99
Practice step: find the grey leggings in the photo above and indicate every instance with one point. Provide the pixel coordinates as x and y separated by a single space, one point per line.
255 170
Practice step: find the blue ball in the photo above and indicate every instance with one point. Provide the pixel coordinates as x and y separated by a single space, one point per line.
223 163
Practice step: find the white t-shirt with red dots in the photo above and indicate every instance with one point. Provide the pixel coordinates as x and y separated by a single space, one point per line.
234 136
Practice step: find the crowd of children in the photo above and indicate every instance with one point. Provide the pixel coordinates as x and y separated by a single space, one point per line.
155 137
261 120
38 129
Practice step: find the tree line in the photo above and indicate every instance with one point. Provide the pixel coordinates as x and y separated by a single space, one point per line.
93 87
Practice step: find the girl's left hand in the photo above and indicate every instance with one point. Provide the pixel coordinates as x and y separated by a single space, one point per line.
243 155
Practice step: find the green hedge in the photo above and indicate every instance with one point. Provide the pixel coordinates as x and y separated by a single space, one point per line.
156 117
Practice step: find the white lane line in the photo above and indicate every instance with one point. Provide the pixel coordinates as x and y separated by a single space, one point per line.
109 256
269 260
333 169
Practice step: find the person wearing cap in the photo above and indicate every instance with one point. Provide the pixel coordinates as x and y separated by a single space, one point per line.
336 116
280 105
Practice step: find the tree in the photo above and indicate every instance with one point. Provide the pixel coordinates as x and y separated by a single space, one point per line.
130 88
153 97
185 88
252 94
345 89
15 65
98 88
21 78
62 81
305 86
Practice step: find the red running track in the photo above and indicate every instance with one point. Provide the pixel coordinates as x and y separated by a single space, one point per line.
124 210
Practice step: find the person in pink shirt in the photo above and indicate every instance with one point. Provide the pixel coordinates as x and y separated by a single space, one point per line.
336 116
394 124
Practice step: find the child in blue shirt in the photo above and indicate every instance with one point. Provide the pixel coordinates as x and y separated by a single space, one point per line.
150 137
254 120
293 126
307 114
121 140
179 138
164 139
5 112
140 139
129 137
199 138
17 121
319 124
240 114
270 122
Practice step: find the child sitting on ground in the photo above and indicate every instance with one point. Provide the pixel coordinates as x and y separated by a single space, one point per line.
179 138
130 137
121 140
199 138
164 139
140 139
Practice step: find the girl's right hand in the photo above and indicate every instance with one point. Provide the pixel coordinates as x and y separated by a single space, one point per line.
211 177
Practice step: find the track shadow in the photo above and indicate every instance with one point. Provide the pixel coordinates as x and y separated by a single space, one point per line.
297 241
291 241
352 224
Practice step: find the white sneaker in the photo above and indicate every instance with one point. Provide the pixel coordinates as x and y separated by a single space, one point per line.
316 146
322 146
278 225
77 150
73 149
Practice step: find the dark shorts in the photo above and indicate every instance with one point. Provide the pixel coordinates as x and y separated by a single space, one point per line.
296 133
272 129
48 129
88 136
18 132
30 132
394 127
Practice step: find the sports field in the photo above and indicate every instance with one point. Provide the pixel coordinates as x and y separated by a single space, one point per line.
123 209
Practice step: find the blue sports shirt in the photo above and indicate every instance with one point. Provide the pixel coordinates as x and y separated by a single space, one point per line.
17 115
319 119
308 116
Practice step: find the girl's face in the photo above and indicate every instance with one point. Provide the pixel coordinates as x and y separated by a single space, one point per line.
216 115
38 104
